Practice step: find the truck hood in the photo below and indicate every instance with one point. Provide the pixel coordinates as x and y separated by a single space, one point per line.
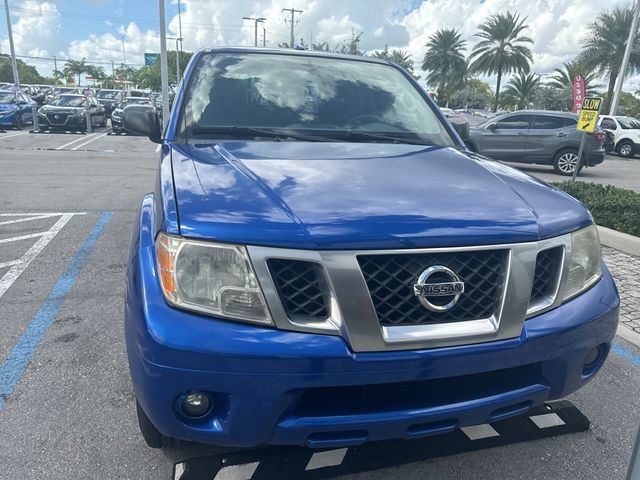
356 195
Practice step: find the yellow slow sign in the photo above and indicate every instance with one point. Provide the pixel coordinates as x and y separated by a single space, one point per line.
589 114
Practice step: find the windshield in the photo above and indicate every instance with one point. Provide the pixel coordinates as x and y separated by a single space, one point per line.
628 123
7 98
134 101
69 101
329 97
108 93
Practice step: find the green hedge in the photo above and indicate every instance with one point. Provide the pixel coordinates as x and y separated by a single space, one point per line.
610 206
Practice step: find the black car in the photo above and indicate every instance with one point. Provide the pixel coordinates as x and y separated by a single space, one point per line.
68 112
109 99
116 115
54 92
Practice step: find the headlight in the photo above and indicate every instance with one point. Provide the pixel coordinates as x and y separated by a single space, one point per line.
212 278
585 265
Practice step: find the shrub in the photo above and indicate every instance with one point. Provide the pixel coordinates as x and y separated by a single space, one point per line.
610 206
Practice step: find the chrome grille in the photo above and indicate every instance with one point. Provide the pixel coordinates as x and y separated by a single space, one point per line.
390 279
548 265
301 288
62 118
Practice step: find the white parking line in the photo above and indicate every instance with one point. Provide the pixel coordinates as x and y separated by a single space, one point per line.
74 141
49 214
8 264
12 135
21 237
16 270
89 141
28 219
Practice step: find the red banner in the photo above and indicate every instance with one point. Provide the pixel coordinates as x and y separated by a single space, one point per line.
578 92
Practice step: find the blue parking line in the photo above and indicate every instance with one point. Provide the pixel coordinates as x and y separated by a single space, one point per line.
625 353
13 367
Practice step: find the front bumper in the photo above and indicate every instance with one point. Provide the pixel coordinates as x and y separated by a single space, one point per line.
280 387
70 123
9 120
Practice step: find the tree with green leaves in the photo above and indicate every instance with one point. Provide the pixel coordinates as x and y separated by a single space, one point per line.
28 73
399 57
475 94
603 48
564 77
75 67
97 73
502 50
445 64
521 90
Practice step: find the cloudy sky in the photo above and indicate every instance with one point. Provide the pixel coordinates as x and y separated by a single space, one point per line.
97 29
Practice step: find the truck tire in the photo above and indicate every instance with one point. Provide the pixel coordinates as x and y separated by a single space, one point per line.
565 161
150 433
625 149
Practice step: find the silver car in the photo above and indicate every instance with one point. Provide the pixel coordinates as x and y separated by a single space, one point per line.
532 136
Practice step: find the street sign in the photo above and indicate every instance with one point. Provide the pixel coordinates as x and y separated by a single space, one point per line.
589 114
150 58
578 92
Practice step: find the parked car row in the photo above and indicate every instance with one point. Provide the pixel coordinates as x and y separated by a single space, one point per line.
66 108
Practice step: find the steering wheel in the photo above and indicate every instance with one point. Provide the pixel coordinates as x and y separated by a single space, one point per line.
363 119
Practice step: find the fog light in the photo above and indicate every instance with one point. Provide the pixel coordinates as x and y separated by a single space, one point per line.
593 359
196 404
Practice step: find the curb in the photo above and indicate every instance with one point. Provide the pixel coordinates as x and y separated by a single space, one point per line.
620 241
629 335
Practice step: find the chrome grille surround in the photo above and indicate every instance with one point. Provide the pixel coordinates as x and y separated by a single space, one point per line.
352 313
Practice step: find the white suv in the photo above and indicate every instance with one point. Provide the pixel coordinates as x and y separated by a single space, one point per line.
626 131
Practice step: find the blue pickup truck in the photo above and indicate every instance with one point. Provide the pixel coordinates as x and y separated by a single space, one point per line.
323 263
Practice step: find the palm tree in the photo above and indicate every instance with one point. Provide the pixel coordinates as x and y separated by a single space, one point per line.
502 49
563 79
603 48
401 58
445 63
75 67
522 89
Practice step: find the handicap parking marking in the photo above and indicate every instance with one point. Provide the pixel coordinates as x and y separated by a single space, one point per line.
19 265
275 463
13 367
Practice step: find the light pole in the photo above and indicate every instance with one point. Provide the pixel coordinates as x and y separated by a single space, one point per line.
14 65
255 27
177 39
164 71
625 59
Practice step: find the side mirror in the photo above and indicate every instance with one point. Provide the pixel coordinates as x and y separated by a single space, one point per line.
492 127
142 120
461 127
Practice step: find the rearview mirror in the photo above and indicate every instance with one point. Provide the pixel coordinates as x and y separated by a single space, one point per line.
142 120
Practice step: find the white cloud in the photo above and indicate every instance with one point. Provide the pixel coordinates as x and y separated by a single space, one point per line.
556 26
35 33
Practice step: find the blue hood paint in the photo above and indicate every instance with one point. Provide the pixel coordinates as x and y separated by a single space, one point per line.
356 195
8 106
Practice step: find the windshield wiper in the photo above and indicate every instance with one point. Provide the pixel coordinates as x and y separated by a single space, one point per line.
359 136
278 134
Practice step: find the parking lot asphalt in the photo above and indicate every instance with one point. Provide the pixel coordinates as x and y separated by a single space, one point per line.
66 402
